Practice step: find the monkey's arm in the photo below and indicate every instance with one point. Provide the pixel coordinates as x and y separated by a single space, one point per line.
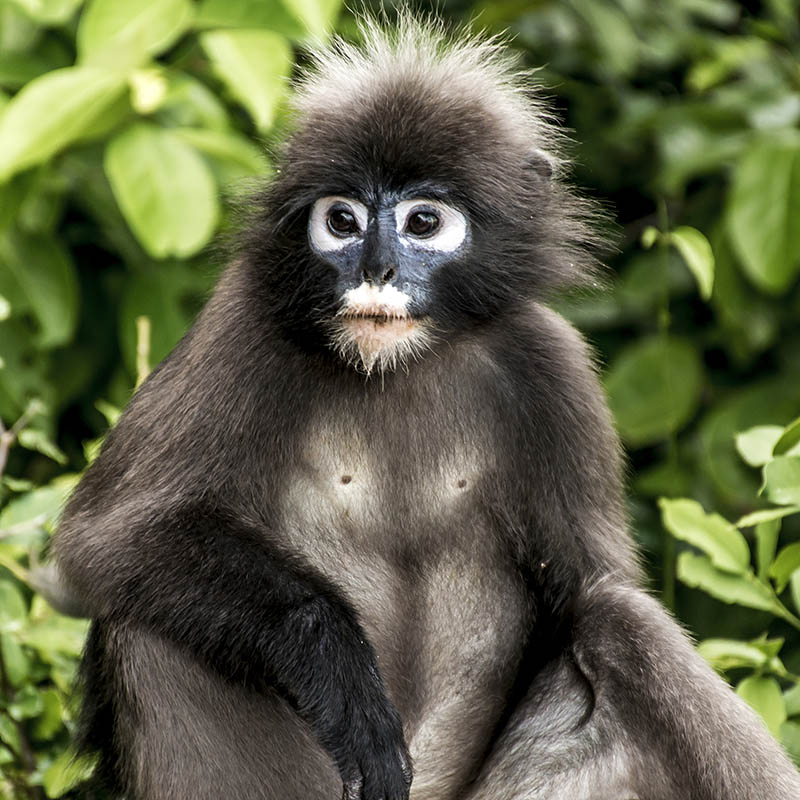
654 691
211 585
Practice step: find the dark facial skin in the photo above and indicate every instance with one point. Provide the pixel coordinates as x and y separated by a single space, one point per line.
309 583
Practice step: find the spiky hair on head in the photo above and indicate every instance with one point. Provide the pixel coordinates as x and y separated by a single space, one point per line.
416 105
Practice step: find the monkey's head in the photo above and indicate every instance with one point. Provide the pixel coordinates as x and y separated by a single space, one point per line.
418 197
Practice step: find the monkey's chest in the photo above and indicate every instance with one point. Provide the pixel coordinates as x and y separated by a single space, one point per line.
410 547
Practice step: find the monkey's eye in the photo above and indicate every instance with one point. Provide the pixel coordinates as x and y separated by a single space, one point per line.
336 222
422 224
342 222
430 224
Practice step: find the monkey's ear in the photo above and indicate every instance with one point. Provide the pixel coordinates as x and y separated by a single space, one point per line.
541 164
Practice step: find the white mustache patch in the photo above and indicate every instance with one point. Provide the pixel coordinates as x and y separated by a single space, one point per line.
370 301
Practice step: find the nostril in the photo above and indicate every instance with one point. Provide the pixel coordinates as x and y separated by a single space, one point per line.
388 275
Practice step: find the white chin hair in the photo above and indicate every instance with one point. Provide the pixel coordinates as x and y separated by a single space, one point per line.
373 331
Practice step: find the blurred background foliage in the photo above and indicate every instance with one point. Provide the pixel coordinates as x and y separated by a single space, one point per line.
127 128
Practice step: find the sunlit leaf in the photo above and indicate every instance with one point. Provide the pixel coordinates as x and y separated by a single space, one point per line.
714 535
744 590
763 694
782 480
51 112
787 562
767 533
13 608
66 772
755 445
270 14
122 34
164 188
255 66
725 654
50 12
698 255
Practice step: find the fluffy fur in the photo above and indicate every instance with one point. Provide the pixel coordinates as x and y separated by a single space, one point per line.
304 583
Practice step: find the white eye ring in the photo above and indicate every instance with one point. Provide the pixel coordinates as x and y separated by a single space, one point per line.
322 238
447 237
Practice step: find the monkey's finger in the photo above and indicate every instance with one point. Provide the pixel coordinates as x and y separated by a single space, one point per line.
352 789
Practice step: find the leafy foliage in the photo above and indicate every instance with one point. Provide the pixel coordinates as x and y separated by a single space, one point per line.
125 126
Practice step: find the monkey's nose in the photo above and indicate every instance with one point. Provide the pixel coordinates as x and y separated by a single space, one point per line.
379 275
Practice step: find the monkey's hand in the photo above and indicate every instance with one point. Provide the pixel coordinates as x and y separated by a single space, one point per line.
371 753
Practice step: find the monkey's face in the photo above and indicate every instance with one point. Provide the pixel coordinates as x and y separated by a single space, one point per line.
385 255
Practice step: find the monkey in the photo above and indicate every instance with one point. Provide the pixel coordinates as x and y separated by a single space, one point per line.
362 533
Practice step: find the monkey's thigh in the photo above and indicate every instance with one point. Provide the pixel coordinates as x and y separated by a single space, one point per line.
559 744
185 734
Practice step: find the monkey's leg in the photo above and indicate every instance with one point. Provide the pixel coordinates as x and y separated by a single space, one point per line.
178 731
226 598
658 723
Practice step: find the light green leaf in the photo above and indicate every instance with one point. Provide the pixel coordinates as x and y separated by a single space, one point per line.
794 587
725 654
255 65
44 503
149 88
33 439
46 277
763 212
123 34
5 308
15 663
744 590
755 445
270 14
50 720
787 562
714 535
653 388
766 515
790 739
229 147
698 255
790 439
50 12
766 544
13 608
53 111
55 635
791 699
782 480
66 772
27 704
764 696
650 236
164 189
317 16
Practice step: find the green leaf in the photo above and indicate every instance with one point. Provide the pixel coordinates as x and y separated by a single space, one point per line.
53 111
763 212
15 663
766 515
37 440
755 445
726 654
794 586
744 590
787 562
66 772
228 147
50 720
789 440
714 535
255 65
698 255
123 34
766 544
47 280
764 696
44 503
791 699
164 189
56 635
790 739
270 14
50 12
27 704
782 480
317 16
653 388
649 237
13 608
